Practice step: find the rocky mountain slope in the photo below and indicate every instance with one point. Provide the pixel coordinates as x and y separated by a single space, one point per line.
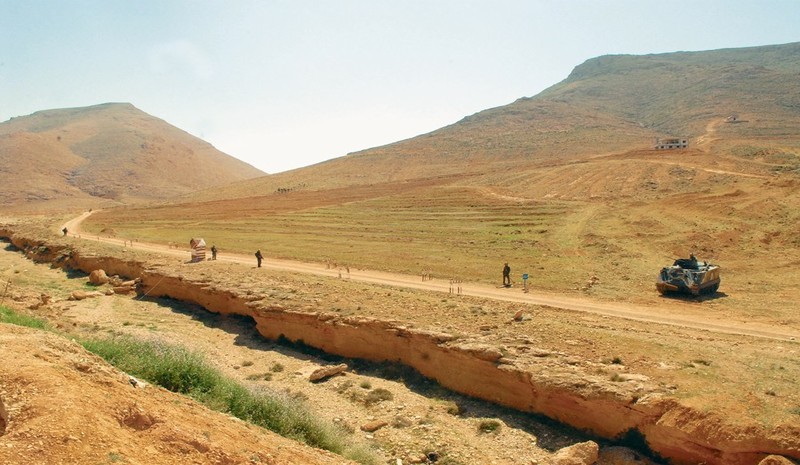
106 152
608 104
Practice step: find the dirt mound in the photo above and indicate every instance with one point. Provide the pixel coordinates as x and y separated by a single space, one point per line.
65 405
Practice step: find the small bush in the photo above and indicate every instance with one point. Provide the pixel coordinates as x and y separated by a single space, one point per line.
276 368
616 361
378 395
452 408
362 454
489 426
366 384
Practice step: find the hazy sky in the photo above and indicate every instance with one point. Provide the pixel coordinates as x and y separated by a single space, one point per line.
285 84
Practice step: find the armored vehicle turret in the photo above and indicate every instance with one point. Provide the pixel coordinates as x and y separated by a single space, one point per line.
689 276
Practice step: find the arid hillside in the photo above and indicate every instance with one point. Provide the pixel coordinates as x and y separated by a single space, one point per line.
109 152
607 105
565 186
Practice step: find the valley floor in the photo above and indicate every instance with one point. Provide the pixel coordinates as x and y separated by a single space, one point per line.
698 364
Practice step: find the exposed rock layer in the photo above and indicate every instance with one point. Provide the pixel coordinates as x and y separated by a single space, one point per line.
674 431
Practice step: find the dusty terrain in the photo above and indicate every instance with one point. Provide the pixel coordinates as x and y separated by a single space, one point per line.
561 185
47 379
66 406
592 323
645 358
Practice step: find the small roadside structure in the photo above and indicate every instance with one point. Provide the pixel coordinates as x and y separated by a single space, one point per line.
671 143
198 246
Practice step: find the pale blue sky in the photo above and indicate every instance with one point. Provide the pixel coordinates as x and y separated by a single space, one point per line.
285 84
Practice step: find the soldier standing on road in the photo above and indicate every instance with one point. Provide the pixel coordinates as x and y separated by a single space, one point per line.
213 252
506 275
259 257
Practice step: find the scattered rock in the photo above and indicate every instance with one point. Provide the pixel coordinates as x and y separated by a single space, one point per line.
98 277
481 351
136 382
583 453
123 289
373 426
83 367
621 456
519 316
775 460
136 418
326 372
81 295
3 417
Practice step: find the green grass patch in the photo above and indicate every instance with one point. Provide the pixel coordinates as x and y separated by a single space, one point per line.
15 318
185 372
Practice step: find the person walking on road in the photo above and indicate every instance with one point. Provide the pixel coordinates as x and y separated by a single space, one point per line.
213 252
259 257
506 275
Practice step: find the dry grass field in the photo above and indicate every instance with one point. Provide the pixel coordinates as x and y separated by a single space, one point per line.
614 220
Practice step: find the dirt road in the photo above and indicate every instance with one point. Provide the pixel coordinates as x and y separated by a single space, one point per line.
673 312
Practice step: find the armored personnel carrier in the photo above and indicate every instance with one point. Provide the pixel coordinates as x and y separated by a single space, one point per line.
688 276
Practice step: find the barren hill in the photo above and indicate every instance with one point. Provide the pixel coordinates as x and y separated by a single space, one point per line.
607 105
106 152
565 185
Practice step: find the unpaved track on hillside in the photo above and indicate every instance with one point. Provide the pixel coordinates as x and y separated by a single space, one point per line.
674 313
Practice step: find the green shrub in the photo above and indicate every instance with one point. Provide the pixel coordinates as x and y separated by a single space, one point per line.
489 426
179 370
10 316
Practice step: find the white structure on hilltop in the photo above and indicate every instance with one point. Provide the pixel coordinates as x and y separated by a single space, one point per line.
672 143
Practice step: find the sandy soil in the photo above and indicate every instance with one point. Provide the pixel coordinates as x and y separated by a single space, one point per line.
699 363
420 417
674 312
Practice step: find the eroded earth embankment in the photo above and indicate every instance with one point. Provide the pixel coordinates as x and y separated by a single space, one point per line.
468 364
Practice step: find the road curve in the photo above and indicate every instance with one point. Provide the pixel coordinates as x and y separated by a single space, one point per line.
665 315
